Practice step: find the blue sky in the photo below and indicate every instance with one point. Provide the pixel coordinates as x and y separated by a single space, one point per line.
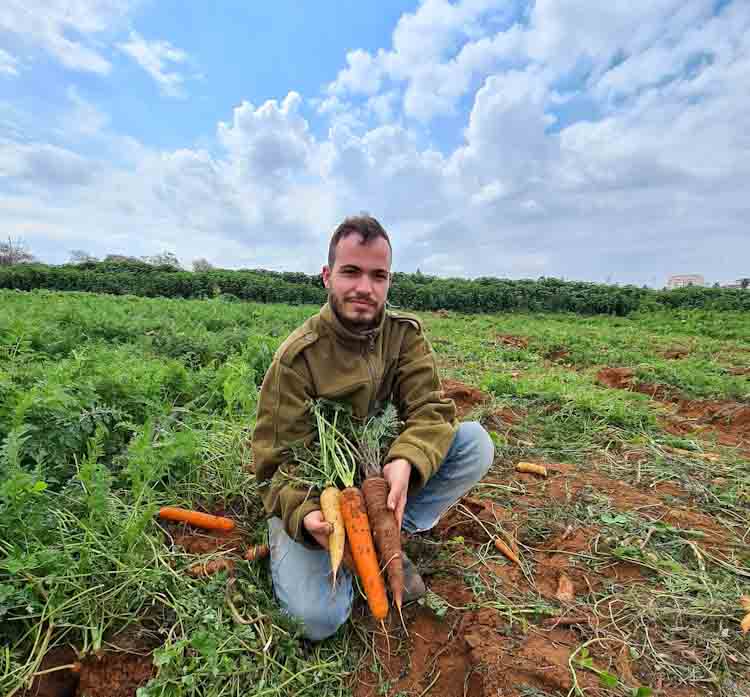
562 137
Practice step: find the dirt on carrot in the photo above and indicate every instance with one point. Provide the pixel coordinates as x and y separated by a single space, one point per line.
386 534
359 536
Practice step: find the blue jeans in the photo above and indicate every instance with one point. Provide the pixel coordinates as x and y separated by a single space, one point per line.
302 576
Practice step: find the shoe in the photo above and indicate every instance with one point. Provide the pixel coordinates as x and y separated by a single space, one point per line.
414 587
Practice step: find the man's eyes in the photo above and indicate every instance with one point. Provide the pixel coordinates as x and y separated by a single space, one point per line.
356 272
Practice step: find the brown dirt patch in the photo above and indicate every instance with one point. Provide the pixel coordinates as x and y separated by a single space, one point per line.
738 371
517 342
207 541
60 683
616 378
465 396
675 353
114 675
558 355
730 420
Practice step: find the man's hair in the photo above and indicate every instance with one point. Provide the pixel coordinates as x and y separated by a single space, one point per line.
364 225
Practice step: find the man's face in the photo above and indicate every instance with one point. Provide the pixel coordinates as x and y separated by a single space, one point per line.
359 280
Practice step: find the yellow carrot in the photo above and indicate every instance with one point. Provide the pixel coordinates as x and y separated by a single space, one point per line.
330 504
531 468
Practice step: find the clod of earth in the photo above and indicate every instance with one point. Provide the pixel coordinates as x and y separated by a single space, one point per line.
518 342
565 591
616 378
675 353
464 396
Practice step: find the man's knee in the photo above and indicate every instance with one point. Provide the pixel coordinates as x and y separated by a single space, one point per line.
480 445
322 620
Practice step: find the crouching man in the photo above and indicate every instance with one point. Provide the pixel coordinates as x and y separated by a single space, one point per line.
354 350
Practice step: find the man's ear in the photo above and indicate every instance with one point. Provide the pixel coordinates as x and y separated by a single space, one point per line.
326 276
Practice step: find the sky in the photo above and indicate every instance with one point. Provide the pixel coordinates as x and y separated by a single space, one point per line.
578 139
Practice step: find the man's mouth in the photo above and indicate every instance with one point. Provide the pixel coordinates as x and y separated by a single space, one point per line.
363 303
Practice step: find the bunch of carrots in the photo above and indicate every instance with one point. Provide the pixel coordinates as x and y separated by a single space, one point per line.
348 452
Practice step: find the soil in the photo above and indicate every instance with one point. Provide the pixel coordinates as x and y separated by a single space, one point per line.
464 396
558 355
512 341
616 378
738 371
727 419
116 674
676 353
60 683
470 649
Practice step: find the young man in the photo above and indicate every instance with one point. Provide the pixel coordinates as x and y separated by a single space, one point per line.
356 350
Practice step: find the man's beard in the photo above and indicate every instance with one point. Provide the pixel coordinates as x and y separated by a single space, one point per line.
353 325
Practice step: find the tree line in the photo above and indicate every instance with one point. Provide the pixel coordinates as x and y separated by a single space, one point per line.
415 291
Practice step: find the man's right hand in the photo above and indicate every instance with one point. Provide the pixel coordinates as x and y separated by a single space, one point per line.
316 525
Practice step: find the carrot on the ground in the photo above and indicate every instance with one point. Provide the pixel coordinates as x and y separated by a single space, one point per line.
502 547
330 505
256 552
358 532
531 468
386 534
200 520
211 567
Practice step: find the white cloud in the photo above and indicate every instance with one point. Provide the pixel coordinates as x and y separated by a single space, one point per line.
84 117
52 24
648 179
156 58
8 64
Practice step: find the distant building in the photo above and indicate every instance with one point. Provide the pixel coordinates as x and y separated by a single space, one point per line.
686 279
740 283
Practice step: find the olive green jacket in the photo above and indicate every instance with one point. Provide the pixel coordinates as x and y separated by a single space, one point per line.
322 358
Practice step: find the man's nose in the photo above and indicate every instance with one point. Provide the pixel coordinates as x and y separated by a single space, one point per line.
364 285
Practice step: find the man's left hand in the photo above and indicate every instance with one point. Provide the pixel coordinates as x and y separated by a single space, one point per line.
397 473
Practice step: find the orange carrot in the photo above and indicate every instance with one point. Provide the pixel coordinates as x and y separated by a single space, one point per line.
386 534
500 546
200 520
363 551
531 468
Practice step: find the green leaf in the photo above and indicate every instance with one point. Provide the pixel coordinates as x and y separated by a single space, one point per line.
642 691
608 680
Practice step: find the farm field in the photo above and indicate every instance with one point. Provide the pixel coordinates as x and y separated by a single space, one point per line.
634 550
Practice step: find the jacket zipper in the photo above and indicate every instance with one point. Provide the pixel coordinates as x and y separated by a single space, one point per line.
370 350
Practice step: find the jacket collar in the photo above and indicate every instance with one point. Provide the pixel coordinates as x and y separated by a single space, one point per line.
346 335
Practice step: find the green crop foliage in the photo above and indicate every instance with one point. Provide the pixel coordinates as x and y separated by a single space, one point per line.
114 402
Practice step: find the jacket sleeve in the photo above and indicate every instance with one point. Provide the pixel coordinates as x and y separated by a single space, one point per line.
430 418
282 420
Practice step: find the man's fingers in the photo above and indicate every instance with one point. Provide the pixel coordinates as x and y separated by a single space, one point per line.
322 528
392 501
400 511
321 539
